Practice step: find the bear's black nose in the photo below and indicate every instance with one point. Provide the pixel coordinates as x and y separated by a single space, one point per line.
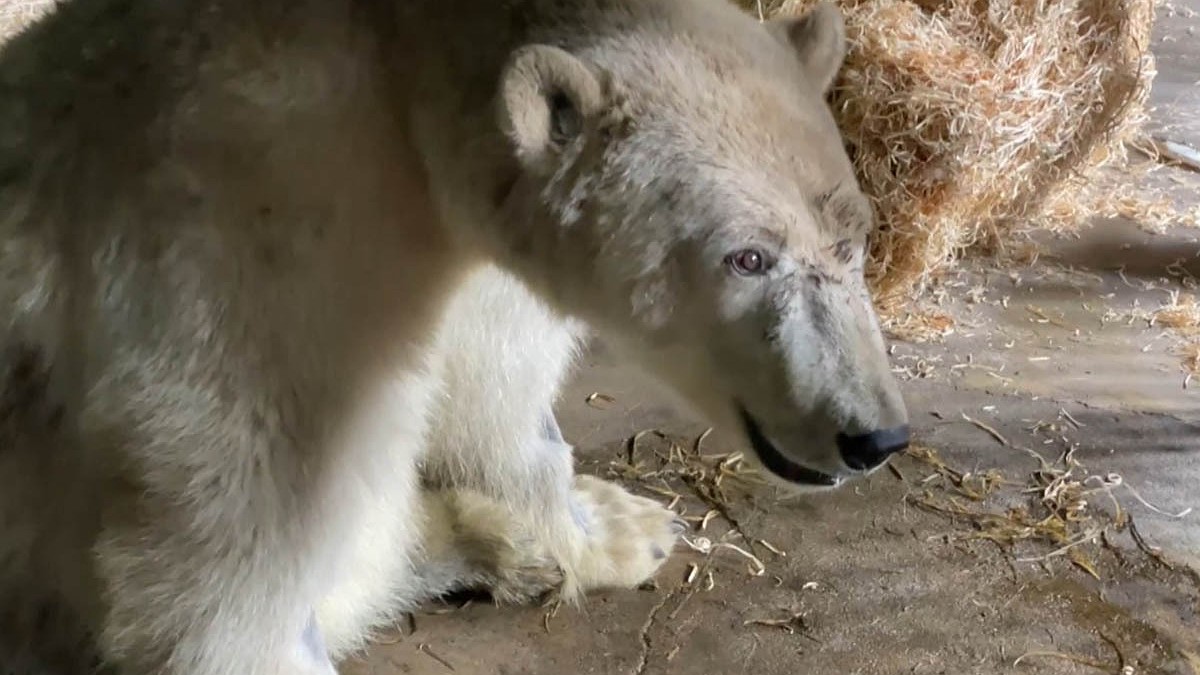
867 451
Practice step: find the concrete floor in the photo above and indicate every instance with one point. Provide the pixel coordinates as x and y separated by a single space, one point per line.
866 580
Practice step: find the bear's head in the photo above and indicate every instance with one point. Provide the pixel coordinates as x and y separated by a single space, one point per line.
684 189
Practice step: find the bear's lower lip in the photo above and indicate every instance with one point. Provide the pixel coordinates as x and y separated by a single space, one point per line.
775 461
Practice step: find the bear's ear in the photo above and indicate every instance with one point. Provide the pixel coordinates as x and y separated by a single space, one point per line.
819 38
546 94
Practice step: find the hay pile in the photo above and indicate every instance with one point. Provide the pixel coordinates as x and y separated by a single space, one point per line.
972 120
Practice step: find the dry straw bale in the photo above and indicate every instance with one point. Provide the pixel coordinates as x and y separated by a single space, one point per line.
970 120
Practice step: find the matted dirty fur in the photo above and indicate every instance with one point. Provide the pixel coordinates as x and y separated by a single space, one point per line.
970 120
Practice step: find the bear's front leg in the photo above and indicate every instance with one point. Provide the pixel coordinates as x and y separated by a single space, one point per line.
503 357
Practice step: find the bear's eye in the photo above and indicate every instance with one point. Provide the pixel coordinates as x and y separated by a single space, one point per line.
748 262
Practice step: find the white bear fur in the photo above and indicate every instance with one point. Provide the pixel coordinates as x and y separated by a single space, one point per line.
267 373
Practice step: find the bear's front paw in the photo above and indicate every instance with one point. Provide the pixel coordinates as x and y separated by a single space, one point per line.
627 538
506 558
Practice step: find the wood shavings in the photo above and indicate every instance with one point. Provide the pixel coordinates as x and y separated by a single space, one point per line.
1177 153
428 651
1179 316
599 401
1113 480
1181 312
706 475
1062 515
1191 360
1041 317
632 446
796 624
552 605
399 632
918 327
989 429
1073 658
771 547
451 610
673 653
1063 413
707 547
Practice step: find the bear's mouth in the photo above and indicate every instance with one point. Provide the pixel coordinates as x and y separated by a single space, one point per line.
778 463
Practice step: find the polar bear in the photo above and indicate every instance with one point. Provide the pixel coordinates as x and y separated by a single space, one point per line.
288 289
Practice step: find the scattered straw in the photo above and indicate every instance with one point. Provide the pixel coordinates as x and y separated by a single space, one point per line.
708 547
1180 317
707 475
796 624
1060 517
552 605
1180 313
1122 667
772 548
673 469
918 326
1190 353
399 632
989 429
1179 154
1124 195
1073 658
599 401
428 651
